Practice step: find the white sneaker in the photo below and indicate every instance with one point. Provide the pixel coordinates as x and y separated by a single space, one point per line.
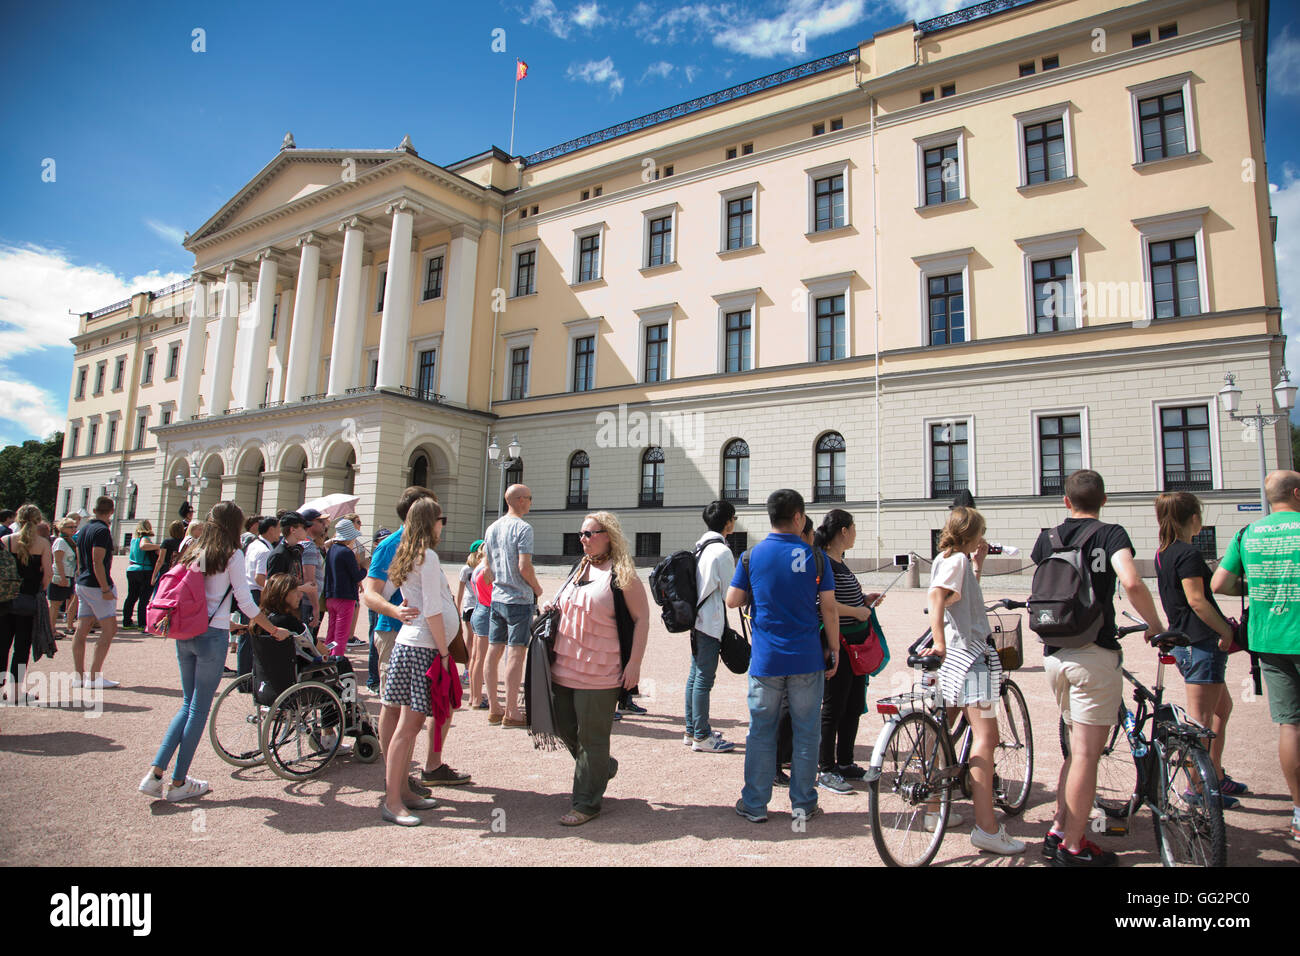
932 820
687 740
995 842
99 683
191 788
713 744
152 786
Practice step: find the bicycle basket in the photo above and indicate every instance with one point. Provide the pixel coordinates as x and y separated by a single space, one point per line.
1007 641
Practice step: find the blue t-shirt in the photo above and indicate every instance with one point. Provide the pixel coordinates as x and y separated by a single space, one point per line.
782 580
379 562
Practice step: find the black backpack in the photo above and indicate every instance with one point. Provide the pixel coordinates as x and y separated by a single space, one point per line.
672 585
1064 610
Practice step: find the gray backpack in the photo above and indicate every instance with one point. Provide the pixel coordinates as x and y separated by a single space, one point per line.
1064 610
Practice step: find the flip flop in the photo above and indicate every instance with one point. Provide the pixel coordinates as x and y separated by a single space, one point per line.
576 818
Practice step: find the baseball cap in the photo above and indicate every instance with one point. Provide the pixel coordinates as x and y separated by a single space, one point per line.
476 545
381 534
309 514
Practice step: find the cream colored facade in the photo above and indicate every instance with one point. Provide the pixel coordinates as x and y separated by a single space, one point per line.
315 229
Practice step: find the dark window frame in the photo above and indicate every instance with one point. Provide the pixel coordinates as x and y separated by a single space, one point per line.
655 367
584 363
830 474
947 294
433 278
519 371
651 493
740 222
579 481
1039 285
826 192
943 451
1174 305
735 477
827 352
589 257
1053 483
741 333
426 366
659 241
1186 478
934 157
526 266
1040 136
1161 116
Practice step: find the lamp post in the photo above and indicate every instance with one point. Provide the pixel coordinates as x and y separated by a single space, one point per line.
1283 394
513 451
191 483
114 487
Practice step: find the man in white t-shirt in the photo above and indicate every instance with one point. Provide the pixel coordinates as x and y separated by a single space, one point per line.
714 569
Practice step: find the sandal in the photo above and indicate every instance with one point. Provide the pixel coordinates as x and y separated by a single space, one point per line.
576 818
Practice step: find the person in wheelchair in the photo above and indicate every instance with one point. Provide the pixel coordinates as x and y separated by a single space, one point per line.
279 664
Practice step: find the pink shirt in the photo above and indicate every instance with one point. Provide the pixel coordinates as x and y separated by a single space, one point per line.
586 652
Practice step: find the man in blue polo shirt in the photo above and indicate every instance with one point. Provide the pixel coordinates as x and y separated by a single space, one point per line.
788 661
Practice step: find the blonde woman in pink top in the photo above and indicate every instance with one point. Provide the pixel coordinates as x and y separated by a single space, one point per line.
604 620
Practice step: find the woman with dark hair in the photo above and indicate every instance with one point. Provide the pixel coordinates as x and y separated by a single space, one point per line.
216 553
32 555
845 695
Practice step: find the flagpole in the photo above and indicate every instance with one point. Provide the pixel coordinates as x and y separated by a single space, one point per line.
514 103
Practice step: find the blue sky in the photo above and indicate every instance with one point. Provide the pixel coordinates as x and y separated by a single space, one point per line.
149 137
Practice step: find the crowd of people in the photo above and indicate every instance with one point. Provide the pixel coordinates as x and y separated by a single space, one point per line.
269 580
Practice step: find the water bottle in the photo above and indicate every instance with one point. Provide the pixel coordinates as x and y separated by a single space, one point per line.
1134 741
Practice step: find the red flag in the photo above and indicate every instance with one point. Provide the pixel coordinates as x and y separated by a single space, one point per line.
521 70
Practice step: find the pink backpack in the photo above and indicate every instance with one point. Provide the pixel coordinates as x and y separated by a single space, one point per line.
179 606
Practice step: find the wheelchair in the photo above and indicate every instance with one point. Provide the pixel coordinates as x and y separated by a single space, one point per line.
299 733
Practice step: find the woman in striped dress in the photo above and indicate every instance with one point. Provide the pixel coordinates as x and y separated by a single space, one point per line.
971 674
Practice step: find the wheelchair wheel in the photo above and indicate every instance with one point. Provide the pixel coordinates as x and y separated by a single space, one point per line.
302 732
235 727
367 748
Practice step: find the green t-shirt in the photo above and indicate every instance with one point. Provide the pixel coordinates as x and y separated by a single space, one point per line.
1270 552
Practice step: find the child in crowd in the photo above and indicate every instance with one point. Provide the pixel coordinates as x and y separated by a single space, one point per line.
470 576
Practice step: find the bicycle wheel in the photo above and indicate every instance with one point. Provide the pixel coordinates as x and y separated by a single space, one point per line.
1013 761
1189 812
915 778
235 727
296 736
1116 772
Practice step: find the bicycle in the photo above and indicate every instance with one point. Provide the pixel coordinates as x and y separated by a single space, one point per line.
1174 774
915 764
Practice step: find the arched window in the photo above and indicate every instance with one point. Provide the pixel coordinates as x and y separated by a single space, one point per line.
420 470
735 472
579 476
830 468
652 477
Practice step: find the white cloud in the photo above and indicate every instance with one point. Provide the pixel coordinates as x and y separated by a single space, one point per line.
660 70
691 72
170 233
775 36
545 13
29 411
918 10
597 72
1284 63
690 21
1285 200
587 15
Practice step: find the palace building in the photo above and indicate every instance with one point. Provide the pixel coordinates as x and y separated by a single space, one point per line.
973 253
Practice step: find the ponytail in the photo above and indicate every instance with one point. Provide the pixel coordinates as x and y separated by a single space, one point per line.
835 521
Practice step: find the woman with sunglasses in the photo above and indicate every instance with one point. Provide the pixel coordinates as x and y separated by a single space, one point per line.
604 621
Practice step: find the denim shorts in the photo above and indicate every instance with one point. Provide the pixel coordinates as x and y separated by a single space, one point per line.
1201 663
511 624
480 619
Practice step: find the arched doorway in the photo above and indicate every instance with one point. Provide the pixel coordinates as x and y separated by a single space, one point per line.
213 468
293 481
429 466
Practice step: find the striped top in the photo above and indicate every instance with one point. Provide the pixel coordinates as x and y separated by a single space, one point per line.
966 626
847 590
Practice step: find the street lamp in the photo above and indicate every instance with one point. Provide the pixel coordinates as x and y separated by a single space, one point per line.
513 452
114 488
1283 394
191 483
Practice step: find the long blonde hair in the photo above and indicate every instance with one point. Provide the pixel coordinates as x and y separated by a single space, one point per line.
29 516
963 530
419 534
623 568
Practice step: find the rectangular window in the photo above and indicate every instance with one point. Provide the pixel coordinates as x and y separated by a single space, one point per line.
81 382
1163 126
668 171
173 361
948 89
656 353
100 369
661 241
92 437
1054 294
119 372
433 278
589 258
1168 31
167 416
584 363
85 500
519 371
746 149
1185 436
1051 62
1175 282
819 129
572 544
67 500
1060 450
131 501
1045 151
947 309
738 542
1205 540
731 152
72 445
740 222
112 434
1027 69
739 329
146 376
831 334
275 318
379 291
141 423
948 459
942 175
425 375
525 269
596 192
586 194
647 544
1142 38
927 95
374 374
837 124
828 195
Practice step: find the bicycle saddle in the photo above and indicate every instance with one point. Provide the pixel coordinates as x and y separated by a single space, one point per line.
1167 639
930 662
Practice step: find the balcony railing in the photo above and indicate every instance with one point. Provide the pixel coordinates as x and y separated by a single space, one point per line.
1051 485
360 389
423 394
576 502
828 493
740 495
945 487
313 398
270 405
1189 480
651 499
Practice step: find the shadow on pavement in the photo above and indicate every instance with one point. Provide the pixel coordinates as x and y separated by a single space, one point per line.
59 743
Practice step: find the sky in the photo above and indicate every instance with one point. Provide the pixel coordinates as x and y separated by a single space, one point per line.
125 125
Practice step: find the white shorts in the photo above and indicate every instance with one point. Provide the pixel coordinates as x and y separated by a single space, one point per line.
1087 683
92 604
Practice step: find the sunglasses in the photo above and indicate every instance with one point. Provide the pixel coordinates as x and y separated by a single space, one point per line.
590 534
442 520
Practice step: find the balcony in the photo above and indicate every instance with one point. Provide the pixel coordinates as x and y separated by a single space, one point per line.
944 487
828 493
576 502
1051 485
651 499
1197 480
736 495
423 394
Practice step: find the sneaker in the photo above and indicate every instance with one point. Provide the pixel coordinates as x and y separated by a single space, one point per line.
1089 855
688 740
832 781
464 678
1193 799
482 704
713 744
995 842
355 642
152 786
417 788
191 788
1230 788
782 779
748 815
1050 843
617 715
99 683
812 814
852 772
510 722
631 708
373 688
1295 828
955 819
444 776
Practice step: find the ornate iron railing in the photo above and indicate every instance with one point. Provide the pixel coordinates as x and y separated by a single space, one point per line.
270 405
110 308
174 287
828 493
313 398
968 14
422 394
843 58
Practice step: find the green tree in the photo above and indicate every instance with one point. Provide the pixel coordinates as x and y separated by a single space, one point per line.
30 473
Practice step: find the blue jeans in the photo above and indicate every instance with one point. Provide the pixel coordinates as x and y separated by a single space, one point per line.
511 624
699 682
803 692
372 671
201 660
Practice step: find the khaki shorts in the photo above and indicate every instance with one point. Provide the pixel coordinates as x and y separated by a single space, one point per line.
1087 683
384 641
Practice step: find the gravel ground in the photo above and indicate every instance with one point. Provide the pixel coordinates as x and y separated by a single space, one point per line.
68 787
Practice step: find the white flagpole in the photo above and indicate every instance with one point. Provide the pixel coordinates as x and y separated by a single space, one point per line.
513 104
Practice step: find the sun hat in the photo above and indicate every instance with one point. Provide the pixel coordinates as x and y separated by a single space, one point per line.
345 530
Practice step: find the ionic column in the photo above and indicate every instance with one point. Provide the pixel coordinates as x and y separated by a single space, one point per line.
187 402
224 348
259 329
347 316
462 264
395 327
303 332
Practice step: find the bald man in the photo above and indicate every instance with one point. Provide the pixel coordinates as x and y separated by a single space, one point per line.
1266 555
508 545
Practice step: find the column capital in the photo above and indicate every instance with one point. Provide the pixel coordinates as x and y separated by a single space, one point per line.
204 277
355 222
403 205
310 239
269 254
466 230
235 268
